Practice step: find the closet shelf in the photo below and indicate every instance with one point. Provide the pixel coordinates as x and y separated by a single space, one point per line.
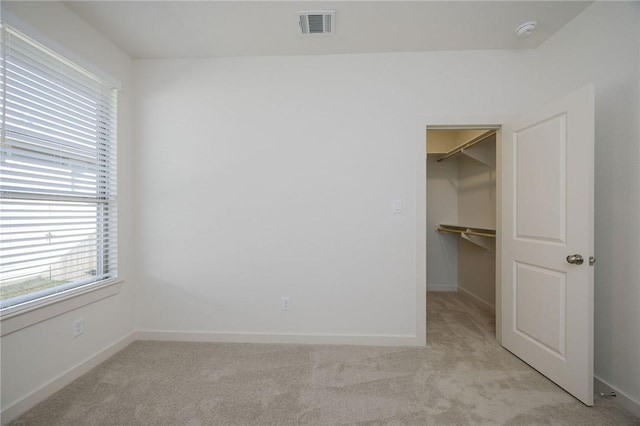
461 148
467 230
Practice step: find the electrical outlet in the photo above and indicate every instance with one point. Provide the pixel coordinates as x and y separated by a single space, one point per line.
78 327
286 303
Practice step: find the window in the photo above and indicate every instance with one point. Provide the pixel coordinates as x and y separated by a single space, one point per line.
57 175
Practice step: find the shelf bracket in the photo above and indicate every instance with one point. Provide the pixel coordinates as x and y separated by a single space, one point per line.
479 241
479 154
477 236
465 146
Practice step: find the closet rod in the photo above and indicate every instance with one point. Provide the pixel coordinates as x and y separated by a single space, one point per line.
486 135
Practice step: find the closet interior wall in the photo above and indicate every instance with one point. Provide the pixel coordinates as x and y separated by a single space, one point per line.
461 191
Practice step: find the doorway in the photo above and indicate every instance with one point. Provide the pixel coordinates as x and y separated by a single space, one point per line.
458 123
461 212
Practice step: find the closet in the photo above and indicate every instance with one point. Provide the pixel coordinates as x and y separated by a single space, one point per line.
461 213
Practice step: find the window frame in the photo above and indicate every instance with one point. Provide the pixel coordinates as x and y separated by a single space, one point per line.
75 294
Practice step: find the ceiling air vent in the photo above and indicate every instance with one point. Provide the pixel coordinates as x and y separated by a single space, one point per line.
317 21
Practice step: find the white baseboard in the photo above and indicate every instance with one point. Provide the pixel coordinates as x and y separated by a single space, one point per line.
622 399
311 339
18 408
482 304
449 287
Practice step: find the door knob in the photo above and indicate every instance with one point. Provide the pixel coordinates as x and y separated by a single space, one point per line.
575 259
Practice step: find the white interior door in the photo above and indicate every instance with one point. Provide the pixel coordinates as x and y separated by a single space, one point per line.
547 215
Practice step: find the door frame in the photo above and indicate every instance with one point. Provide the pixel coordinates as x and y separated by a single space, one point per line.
452 122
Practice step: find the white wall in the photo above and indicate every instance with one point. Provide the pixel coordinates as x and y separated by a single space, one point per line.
34 357
602 46
274 176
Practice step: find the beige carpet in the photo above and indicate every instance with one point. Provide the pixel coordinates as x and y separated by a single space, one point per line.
463 377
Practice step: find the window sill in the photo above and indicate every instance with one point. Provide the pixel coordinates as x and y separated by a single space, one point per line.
38 311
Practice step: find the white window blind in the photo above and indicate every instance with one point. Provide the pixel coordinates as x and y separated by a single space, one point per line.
57 174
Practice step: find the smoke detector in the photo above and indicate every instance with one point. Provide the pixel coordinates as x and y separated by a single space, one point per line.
317 21
526 29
